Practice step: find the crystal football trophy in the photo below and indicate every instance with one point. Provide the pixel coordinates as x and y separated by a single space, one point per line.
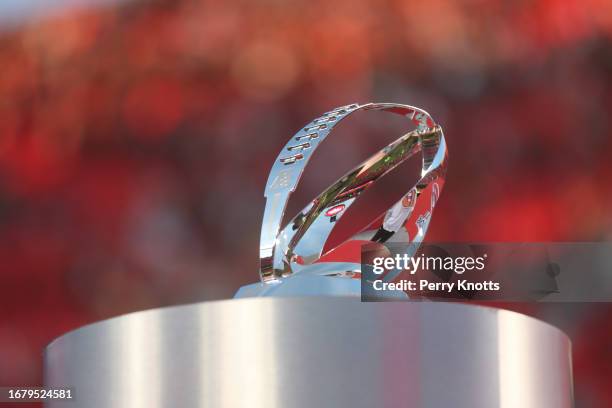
280 346
294 260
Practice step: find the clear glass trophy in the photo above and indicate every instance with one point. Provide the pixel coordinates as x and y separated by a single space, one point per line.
302 337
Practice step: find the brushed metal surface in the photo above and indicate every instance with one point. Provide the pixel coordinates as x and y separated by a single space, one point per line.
314 352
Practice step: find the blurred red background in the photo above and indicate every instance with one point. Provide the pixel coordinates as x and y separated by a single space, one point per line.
136 138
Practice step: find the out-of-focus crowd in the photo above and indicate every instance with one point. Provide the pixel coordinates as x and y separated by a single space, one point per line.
135 141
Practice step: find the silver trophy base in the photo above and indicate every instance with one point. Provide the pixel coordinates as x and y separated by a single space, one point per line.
313 352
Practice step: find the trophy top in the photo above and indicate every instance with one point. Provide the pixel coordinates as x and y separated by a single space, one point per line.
296 254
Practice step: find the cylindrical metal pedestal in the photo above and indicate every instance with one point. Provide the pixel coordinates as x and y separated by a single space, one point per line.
314 352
